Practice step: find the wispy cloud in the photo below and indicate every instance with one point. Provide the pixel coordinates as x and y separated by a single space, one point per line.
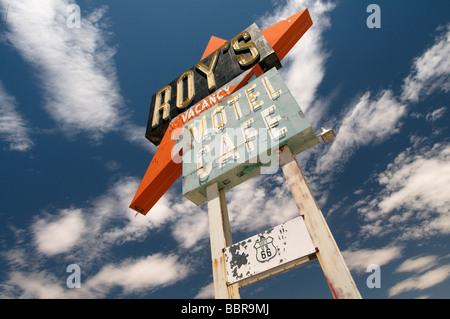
425 273
359 260
13 128
371 120
368 121
87 232
406 207
253 203
408 203
427 280
207 292
86 236
304 66
418 264
136 135
134 275
431 70
251 207
39 284
436 114
131 276
75 65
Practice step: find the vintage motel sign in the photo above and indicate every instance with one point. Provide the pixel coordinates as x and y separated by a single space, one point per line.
273 251
238 138
245 50
229 150
163 171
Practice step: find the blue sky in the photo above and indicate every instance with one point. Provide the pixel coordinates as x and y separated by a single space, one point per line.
73 110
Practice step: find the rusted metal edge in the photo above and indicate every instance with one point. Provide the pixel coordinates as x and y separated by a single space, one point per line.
275 271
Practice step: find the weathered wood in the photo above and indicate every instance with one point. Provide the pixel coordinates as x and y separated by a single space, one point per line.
338 276
220 238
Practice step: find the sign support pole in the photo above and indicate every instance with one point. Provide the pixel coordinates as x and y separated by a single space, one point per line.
333 265
220 238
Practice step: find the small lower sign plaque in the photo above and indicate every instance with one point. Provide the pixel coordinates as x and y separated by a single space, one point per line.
268 253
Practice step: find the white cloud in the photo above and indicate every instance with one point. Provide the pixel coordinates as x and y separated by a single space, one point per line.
146 273
413 203
85 236
191 226
359 260
90 231
111 222
436 114
418 264
207 292
134 226
136 134
427 280
373 120
55 236
260 203
368 121
430 71
411 181
39 285
132 275
75 65
257 204
305 63
13 128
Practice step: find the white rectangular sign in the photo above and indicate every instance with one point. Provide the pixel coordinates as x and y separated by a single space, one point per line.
268 253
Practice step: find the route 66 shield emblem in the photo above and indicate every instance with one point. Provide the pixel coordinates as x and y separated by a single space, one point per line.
265 249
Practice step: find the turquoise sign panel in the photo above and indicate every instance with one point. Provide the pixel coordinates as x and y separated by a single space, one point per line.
239 137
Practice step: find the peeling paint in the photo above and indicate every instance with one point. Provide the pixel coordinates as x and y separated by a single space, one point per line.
269 250
237 259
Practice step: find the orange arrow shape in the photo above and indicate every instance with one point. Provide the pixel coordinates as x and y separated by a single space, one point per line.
163 171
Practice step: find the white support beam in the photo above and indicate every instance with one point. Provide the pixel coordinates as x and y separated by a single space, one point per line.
333 265
220 238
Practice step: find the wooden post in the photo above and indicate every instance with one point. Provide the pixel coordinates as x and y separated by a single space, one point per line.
220 238
333 265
